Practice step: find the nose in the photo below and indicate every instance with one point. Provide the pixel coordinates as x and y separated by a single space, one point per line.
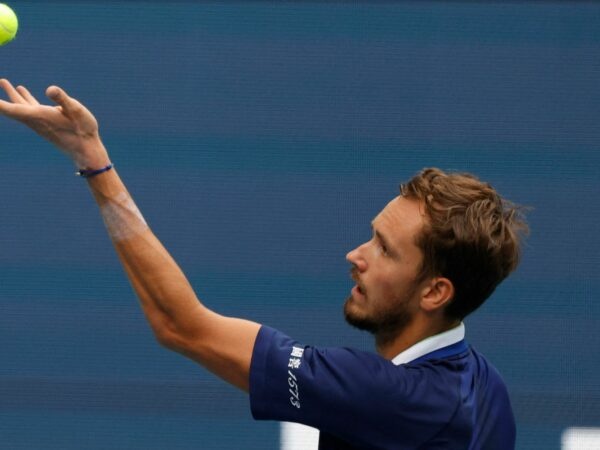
356 258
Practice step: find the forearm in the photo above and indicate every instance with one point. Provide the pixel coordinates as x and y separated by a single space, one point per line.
165 294
222 344
180 322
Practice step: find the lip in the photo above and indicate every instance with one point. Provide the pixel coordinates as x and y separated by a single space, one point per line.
356 293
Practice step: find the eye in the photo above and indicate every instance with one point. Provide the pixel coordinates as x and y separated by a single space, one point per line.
380 244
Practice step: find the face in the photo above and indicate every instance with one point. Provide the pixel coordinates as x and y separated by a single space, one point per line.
385 269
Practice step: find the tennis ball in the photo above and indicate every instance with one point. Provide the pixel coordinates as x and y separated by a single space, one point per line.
8 24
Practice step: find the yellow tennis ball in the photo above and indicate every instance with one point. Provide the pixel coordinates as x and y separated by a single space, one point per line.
9 24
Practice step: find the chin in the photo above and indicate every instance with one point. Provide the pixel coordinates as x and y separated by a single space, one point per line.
353 316
381 323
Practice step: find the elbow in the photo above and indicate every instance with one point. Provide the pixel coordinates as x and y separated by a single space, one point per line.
170 338
166 340
177 334
178 343
176 340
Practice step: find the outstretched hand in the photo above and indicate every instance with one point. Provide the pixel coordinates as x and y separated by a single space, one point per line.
69 125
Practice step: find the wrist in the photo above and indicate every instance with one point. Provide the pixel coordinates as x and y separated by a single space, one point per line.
92 155
89 173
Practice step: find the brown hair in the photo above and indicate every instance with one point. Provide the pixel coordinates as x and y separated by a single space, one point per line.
472 235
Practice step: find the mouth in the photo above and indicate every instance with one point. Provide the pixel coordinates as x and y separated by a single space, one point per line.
358 289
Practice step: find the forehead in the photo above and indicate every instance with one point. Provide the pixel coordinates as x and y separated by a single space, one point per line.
401 220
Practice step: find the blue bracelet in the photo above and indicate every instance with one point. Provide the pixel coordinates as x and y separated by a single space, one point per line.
92 173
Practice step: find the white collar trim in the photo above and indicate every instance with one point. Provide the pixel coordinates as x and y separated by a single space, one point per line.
431 344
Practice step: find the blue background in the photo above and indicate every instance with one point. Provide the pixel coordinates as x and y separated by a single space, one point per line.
259 139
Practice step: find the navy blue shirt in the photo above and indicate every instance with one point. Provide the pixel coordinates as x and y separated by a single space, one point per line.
450 398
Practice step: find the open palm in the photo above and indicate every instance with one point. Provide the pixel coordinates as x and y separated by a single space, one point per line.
69 125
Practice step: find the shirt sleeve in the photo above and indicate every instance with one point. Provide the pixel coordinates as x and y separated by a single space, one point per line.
356 395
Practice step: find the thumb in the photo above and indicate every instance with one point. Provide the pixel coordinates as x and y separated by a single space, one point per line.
58 95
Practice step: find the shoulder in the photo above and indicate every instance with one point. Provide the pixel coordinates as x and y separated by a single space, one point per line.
365 377
485 372
488 398
384 402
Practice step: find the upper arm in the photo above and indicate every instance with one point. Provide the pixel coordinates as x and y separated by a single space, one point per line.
223 345
360 397
337 390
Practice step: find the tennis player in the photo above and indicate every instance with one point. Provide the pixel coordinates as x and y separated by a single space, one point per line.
437 252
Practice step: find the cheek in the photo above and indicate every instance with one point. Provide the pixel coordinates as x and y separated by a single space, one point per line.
383 287
392 286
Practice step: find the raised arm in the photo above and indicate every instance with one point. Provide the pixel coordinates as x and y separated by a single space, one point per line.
179 320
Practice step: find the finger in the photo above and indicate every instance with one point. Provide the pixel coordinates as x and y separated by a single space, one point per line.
69 105
27 95
11 91
16 111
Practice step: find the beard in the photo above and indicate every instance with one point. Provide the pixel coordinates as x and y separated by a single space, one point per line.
384 323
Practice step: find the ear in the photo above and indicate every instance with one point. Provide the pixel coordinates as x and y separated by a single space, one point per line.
437 294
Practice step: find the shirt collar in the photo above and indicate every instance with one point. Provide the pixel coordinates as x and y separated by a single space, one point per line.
431 344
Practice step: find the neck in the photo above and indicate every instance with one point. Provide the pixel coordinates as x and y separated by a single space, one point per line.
421 327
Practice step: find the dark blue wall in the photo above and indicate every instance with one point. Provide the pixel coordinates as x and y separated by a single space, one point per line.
259 139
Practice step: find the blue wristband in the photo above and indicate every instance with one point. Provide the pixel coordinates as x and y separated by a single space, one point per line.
92 173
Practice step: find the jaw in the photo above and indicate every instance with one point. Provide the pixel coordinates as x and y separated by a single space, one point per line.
355 314
386 325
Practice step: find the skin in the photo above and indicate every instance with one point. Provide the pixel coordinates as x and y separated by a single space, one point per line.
387 300
178 318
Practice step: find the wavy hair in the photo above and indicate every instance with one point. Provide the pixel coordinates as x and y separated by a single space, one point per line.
472 235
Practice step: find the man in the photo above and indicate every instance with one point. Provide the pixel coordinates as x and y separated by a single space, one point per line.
437 252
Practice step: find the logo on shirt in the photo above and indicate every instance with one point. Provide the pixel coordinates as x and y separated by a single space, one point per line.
294 363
